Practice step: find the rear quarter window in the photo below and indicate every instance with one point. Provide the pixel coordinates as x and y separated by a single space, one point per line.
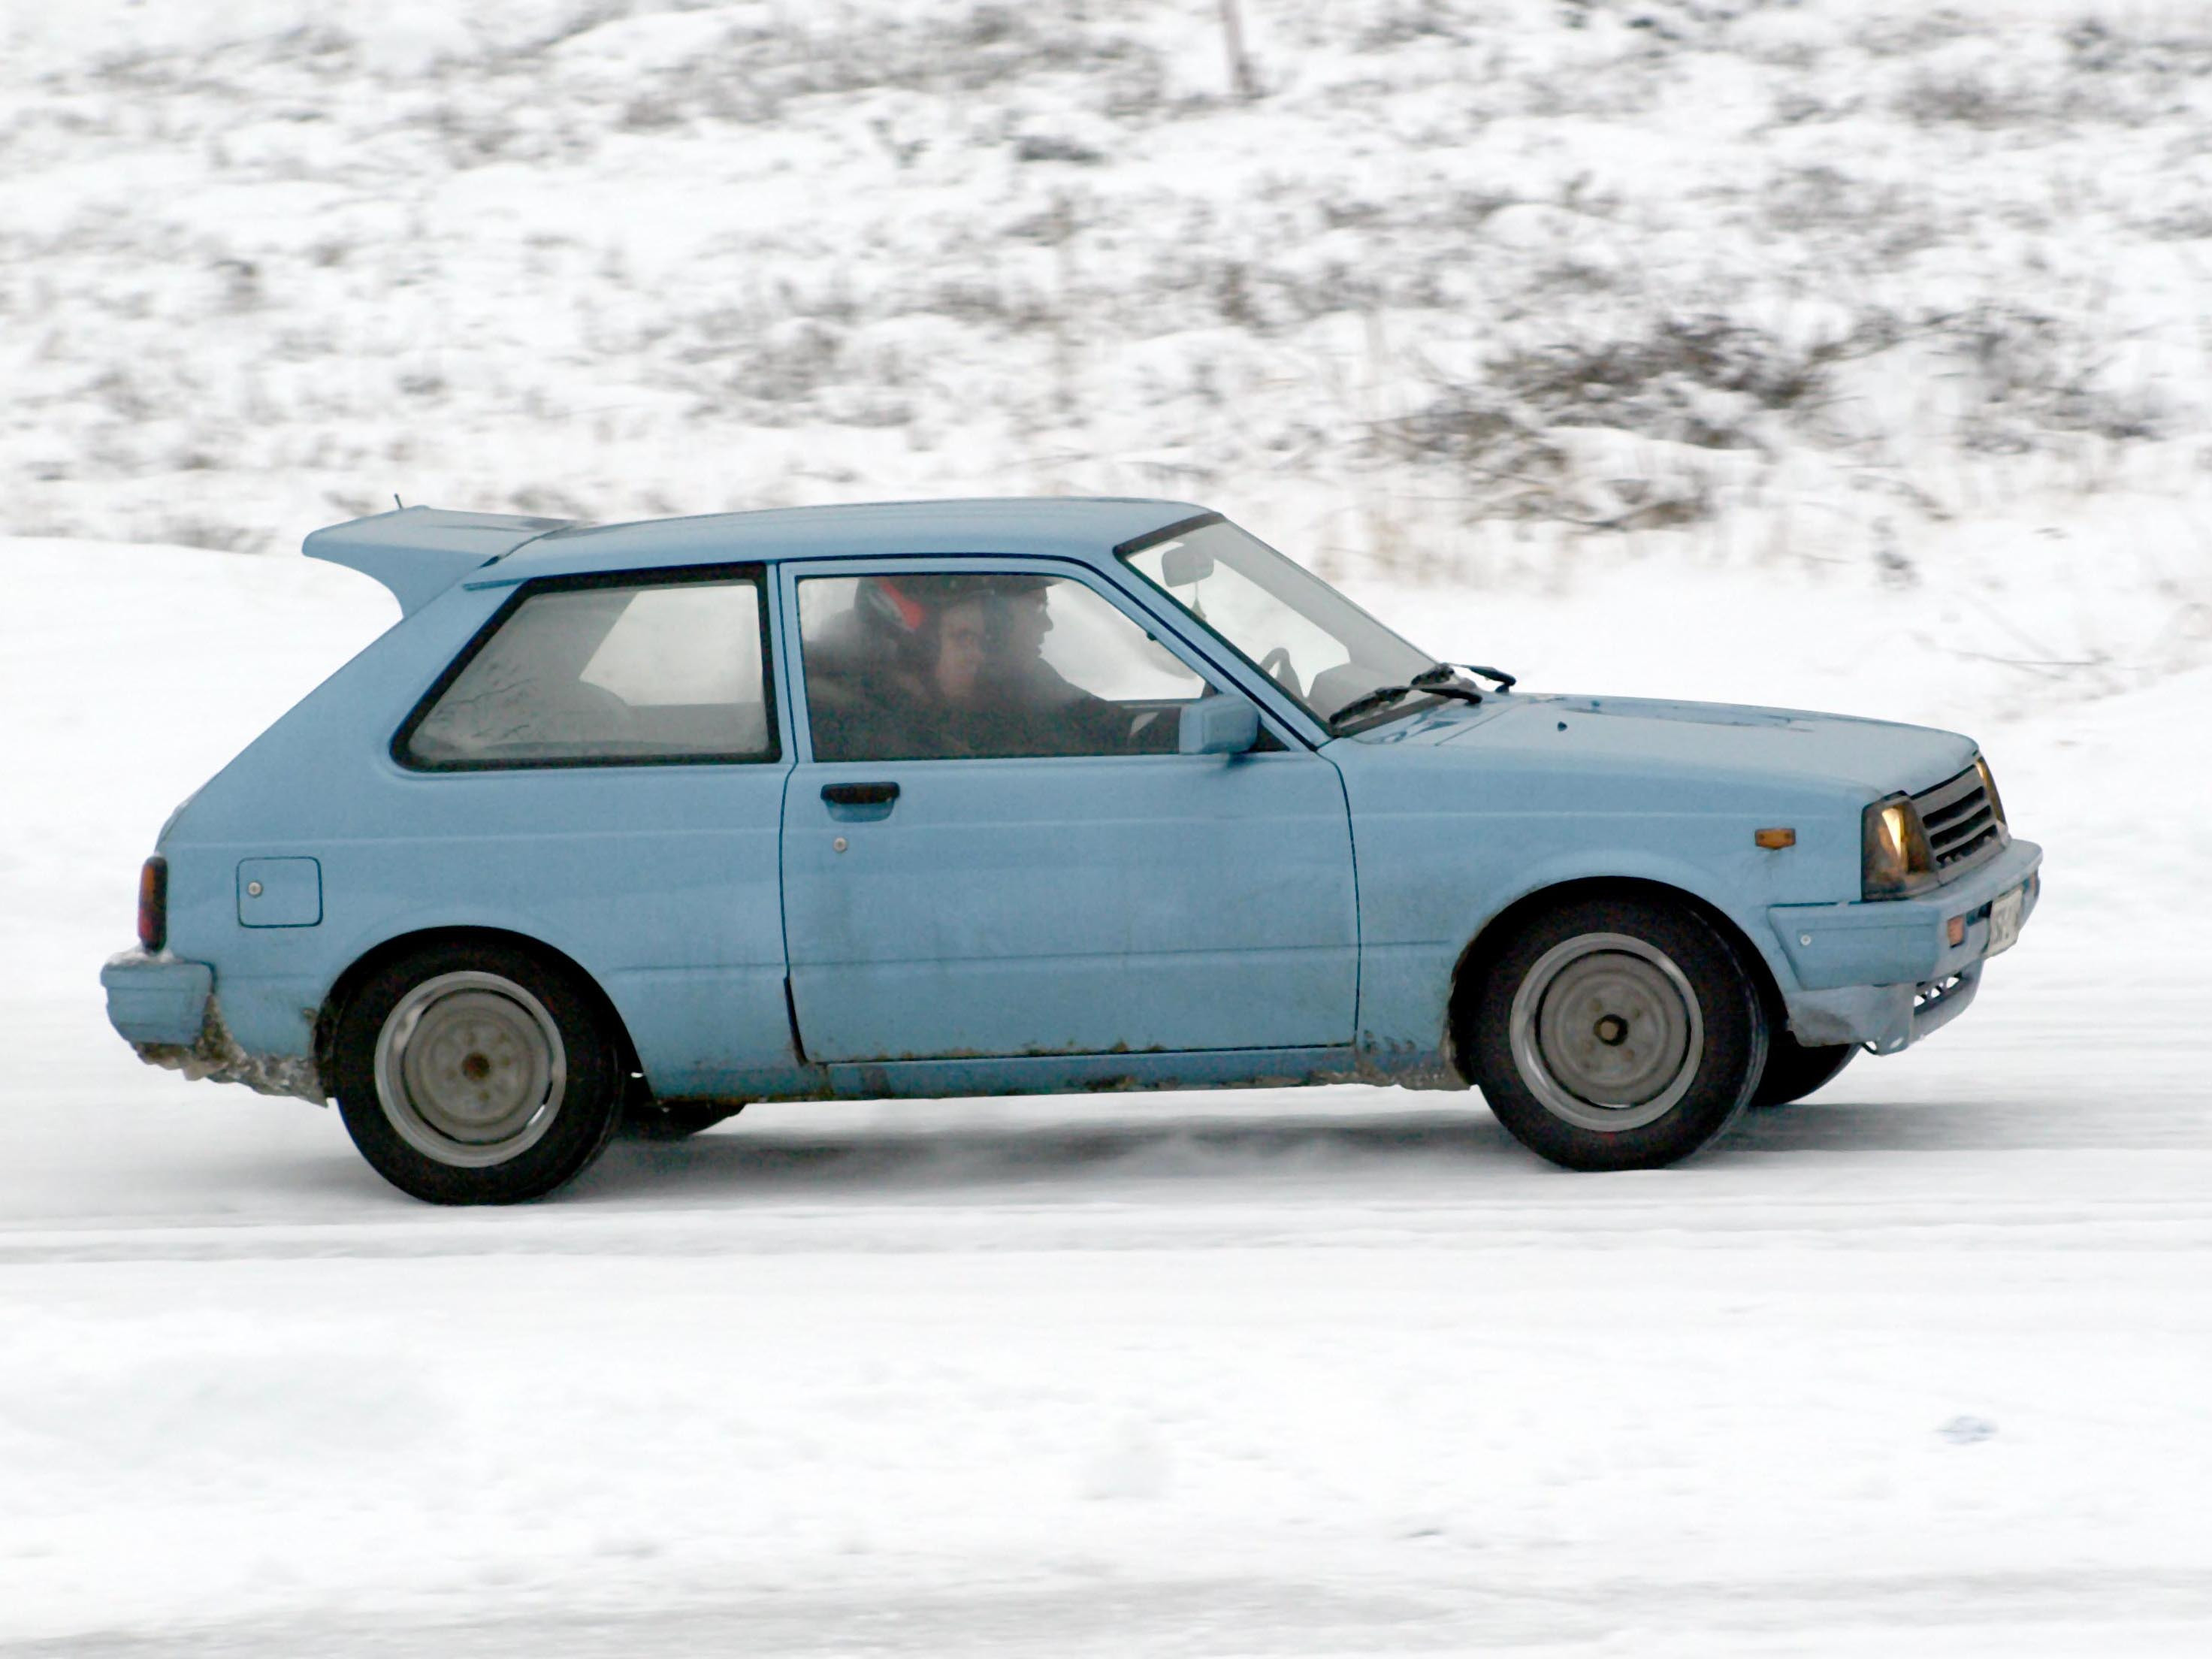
608 674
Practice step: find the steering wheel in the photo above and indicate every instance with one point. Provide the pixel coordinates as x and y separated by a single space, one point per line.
1276 664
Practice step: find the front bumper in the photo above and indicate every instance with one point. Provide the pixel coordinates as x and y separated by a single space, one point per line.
1884 973
167 1011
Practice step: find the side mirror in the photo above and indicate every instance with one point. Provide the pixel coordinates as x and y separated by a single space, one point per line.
1220 724
1182 564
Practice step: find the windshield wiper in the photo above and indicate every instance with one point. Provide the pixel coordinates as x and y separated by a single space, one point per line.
1429 678
1383 695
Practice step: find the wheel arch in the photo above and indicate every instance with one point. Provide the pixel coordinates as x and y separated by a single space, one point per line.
400 944
1489 943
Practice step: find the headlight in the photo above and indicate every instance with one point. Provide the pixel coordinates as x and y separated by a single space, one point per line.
1996 801
1895 860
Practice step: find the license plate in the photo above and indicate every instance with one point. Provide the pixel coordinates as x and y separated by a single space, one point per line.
2004 920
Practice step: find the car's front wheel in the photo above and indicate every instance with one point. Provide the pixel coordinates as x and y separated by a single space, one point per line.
1794 1070
1616 1034
475 1074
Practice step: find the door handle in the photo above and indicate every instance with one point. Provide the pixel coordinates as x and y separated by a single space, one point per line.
860 794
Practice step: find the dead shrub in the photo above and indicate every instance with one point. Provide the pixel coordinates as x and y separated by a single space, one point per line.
2026 377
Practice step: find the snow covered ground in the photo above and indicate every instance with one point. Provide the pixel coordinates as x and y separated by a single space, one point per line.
1917 1366
1843 354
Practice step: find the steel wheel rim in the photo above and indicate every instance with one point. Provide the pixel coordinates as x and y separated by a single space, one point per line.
1607 1032
471 1069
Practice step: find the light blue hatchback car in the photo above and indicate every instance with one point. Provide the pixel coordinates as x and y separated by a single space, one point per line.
641 822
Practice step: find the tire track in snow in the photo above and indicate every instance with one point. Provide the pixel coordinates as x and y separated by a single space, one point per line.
2019 1614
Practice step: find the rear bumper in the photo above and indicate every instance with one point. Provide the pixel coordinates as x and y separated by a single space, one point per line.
167 1010
1884 974
157 998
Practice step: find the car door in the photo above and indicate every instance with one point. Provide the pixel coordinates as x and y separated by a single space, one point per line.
1042 874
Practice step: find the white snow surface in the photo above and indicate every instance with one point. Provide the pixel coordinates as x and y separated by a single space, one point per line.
1917 1366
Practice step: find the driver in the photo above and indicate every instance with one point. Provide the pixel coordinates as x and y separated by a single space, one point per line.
1066 720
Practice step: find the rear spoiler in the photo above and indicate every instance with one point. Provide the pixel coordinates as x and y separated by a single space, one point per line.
418 552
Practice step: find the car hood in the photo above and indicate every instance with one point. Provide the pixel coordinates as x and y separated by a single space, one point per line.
1645 734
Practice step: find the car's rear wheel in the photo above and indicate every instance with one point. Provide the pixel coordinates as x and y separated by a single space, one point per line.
1794 1070
473 1074
1616 1034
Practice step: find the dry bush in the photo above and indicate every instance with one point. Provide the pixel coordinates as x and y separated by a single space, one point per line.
2028 377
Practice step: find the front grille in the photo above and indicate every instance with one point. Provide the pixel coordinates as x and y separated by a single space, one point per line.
1928 996
1961 824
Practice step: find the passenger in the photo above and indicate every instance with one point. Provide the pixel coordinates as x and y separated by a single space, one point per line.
971 702
879 676
961 654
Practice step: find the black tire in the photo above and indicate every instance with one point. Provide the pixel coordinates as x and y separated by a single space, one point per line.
1794 1070
1676 1030
501 1079
675 1120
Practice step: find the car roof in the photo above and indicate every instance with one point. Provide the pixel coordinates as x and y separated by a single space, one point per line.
1085 527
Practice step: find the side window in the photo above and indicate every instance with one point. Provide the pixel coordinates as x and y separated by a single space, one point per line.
648 672
986 664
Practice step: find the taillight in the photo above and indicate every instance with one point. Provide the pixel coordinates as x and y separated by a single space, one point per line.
153 902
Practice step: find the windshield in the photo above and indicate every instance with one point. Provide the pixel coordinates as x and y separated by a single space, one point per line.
1307 637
